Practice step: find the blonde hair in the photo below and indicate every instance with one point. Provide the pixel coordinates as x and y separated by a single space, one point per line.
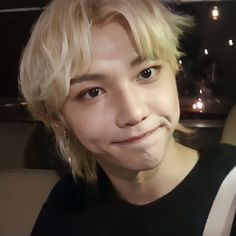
60 48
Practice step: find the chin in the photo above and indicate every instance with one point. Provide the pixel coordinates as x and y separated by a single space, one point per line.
145 163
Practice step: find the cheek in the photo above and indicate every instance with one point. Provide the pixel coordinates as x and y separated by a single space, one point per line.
90 128
172 103
166 99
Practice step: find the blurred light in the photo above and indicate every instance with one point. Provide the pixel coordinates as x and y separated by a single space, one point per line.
206 51
198 105
215 13
200 91
231 43
180 62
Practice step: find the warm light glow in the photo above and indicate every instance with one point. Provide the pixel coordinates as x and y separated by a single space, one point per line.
206 51
200 91
180 62
215 13
198 105
231 43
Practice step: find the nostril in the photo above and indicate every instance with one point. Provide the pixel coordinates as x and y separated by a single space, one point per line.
131 110
144 118
133 120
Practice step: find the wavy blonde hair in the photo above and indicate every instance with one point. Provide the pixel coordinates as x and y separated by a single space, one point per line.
60 48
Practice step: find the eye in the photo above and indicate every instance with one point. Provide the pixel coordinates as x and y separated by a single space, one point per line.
91 93
147 73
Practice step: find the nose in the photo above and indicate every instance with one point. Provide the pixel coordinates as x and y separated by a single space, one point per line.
131 108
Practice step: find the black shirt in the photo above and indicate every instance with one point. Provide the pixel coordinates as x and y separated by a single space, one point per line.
78 208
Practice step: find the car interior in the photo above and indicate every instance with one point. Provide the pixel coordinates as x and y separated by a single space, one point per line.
30 164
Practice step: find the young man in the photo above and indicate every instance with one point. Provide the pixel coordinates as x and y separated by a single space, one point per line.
101 74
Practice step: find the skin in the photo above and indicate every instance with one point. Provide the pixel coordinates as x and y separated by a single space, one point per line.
125 110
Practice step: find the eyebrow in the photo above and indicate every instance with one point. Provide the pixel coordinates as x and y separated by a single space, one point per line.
92 77
87 77
137 60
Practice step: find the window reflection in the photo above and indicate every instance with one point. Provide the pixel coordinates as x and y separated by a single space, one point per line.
207 80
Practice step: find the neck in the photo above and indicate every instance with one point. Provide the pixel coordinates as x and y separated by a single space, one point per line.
143 187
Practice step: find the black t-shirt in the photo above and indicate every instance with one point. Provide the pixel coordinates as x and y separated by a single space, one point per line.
78 209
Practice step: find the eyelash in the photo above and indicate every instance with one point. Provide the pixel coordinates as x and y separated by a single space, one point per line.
153 70
83 94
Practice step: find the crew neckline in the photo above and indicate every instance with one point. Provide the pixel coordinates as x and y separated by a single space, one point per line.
179 189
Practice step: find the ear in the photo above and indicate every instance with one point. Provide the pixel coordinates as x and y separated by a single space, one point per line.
58 124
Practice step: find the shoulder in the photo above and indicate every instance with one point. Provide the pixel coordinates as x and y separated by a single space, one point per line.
215 163
72 195
228 150
222 153
67 199
70 192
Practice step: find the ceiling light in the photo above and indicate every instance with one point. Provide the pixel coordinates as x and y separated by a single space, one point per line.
231 42
215 13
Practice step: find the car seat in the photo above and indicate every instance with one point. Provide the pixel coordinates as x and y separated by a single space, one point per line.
229 131
22 194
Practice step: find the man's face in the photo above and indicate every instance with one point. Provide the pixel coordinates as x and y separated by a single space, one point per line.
124 109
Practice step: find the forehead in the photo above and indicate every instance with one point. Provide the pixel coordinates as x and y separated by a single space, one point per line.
112 42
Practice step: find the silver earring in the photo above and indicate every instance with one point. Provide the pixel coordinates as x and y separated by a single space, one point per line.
67 149
67 152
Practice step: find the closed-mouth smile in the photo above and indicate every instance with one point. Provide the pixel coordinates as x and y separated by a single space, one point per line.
137 138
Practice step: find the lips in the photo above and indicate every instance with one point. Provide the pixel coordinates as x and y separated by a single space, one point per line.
136 138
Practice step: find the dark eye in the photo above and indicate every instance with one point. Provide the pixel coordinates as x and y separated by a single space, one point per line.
92 93
147 73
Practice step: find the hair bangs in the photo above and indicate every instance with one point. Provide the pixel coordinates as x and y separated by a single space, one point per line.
153 28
